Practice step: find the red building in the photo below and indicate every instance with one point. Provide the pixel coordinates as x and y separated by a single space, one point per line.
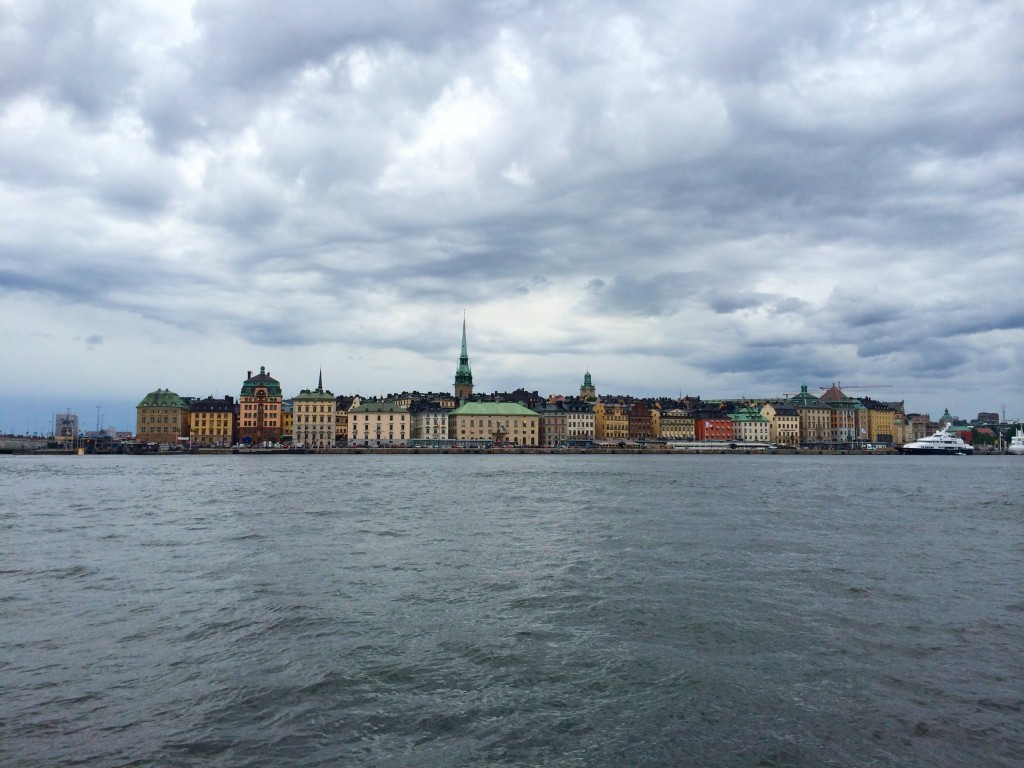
712 426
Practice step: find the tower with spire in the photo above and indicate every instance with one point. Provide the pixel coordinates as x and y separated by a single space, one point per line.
463 375
587 390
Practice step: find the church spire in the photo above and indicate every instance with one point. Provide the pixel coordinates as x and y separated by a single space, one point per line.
463 374
320 383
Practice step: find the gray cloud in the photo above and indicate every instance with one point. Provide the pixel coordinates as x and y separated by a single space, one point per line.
738 196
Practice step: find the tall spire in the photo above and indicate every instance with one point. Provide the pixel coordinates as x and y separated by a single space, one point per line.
463 374
320 383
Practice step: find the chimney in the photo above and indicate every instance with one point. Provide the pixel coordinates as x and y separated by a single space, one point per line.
248 375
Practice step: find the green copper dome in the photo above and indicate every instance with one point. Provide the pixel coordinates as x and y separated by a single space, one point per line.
161 398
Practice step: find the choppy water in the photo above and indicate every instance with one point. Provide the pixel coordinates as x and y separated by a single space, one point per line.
522 610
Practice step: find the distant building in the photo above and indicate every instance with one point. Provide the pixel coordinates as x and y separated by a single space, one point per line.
212 421
611 420
379 424
161 417
710 425
430 421
815 417
65 427
501 422
639 422
342 405
314 417
749 425
784 423
259 415
675 424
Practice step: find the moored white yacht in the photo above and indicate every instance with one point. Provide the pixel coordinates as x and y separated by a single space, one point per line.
940 443
1016 446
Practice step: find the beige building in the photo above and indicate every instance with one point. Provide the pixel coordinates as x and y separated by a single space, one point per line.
378 424
749 425
430 421
815 417
783 423
675 424
314 418
161 417
501 422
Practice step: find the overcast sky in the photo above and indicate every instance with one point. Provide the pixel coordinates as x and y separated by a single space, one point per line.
721 198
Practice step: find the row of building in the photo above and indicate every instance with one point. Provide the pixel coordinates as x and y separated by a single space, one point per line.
318 419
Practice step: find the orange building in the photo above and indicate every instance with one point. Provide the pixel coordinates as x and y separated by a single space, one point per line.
259 409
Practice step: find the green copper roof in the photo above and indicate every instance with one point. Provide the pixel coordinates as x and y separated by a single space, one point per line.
806 400
492 409
463 375
262 379
161 398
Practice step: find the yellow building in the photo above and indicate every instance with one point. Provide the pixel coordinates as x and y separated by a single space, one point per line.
500 422
161 417
212 422
611 420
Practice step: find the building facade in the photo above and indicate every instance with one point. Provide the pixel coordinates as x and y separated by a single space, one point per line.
503 423
611 420
161 417
783 423
212 422
815 418
259 409
750 426
314 418
379 424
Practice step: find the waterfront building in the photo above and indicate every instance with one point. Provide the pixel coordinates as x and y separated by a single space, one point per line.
259 414
498 421
579 419
587 389
849 416
379 424
638 421
430 421
342 405
886 421
65 428
161 417
675 424
315 417
463 374
212 421
711 425
749 425
611 420
815 417
552 423
287 417
784 423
